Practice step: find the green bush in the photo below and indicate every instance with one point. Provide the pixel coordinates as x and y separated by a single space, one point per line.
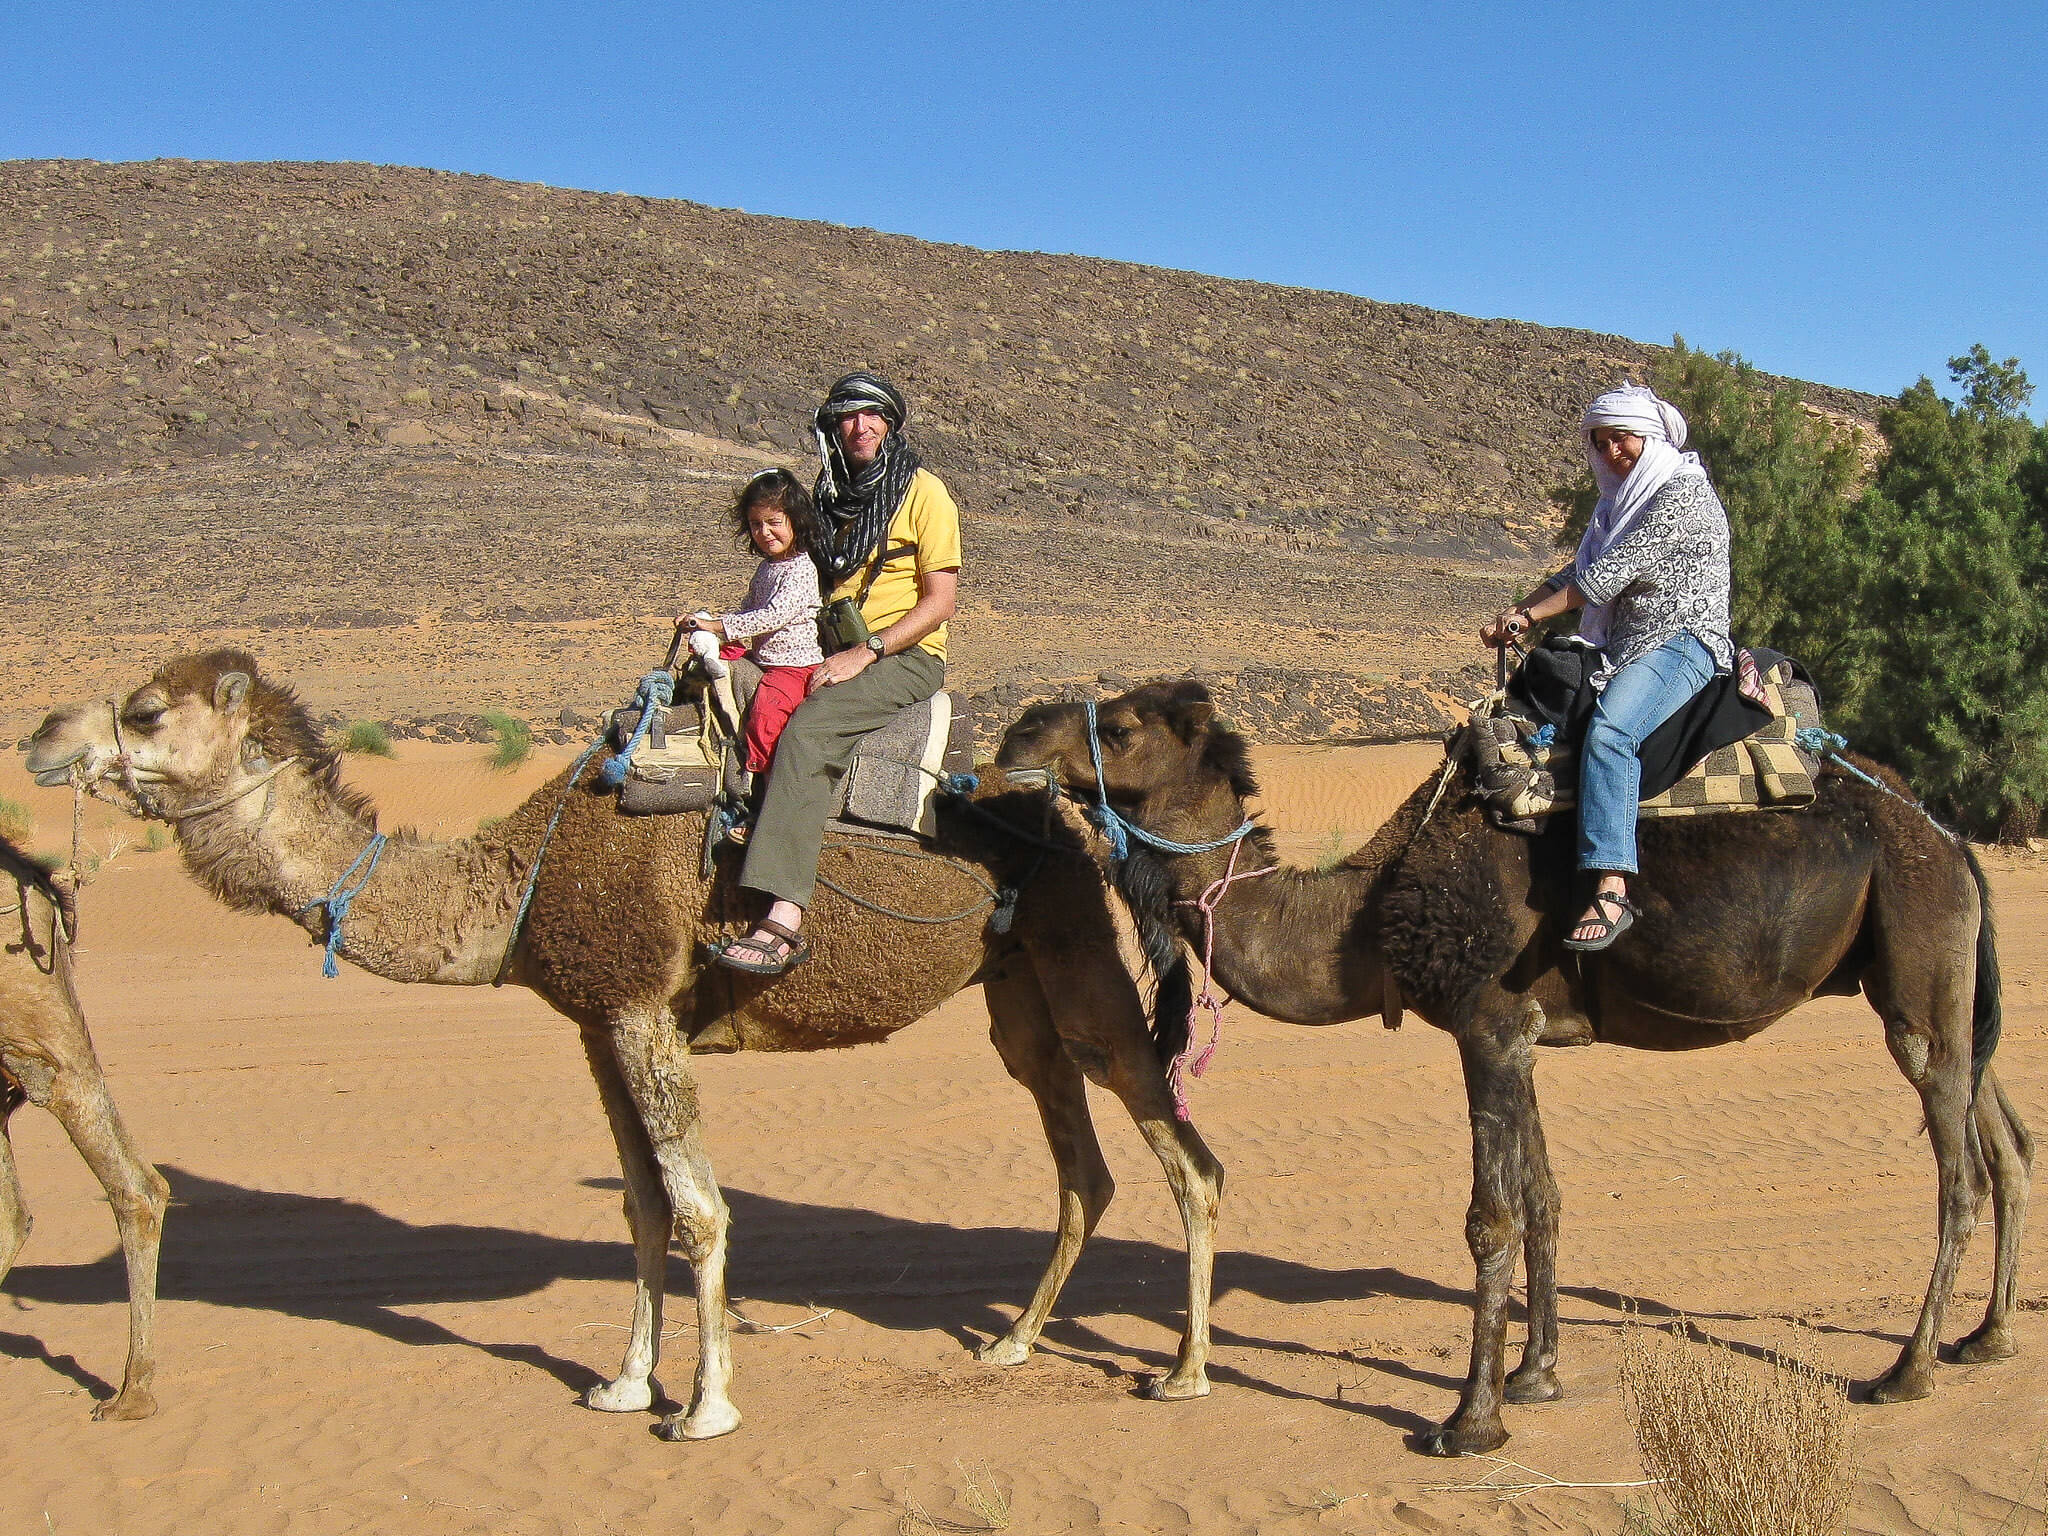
366 738
16 824
514 738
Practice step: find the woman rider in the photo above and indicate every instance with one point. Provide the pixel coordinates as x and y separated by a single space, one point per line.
1651 579
891 530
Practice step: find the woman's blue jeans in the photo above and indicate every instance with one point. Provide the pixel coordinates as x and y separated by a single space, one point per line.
1637 699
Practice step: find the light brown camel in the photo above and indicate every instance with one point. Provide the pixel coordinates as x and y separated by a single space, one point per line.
1744 918
613 940
47 1059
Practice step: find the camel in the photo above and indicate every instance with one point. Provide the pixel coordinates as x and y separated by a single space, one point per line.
47 1059
612 941
1744 918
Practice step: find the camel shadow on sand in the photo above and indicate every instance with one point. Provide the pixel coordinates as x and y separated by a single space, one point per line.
333 1259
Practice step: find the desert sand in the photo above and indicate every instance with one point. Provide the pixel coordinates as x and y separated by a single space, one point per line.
396 1253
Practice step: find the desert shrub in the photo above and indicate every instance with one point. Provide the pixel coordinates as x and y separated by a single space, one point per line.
16 824
157 838
1949 680
512 738
1740 1447
366 738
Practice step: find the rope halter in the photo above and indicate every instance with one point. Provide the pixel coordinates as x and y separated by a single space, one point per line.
1120 829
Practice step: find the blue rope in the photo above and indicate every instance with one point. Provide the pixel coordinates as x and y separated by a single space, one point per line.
1821 743
337 900
1120 829
533 873
657 691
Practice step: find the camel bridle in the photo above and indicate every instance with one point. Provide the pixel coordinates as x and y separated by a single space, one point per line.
150 807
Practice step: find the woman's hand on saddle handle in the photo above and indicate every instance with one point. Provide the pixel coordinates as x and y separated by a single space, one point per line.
1508 624
1545 602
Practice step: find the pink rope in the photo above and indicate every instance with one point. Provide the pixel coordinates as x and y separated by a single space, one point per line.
1207 997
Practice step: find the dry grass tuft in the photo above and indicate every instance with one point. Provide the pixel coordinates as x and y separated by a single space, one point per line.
16 824
367 738
991 1509
1738 1447
514 738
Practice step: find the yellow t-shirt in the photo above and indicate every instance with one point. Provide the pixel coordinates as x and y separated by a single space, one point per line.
929 520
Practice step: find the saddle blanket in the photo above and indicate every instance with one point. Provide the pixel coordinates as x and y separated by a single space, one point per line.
687 758
1526 771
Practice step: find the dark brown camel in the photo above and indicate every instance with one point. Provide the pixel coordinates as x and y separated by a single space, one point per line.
1744 918
46 1058
613 942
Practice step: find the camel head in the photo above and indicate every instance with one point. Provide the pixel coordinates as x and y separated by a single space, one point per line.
1161 743
201 728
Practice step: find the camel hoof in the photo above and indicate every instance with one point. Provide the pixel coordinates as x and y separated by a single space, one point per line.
626 1395
704 1424
1985 1345
1003 1351
1454 1439
1530 1385
1175 1388
1903 1385
133 1403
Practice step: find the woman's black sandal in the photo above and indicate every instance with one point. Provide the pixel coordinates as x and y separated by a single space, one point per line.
795 950
1610 928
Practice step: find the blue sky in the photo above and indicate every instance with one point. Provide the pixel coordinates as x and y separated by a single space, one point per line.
1845 193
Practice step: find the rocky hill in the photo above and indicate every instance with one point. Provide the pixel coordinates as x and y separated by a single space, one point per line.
217 370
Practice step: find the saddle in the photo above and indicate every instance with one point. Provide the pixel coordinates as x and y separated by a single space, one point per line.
690 758
1733 748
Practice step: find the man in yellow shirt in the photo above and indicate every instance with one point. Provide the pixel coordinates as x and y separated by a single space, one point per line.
892 545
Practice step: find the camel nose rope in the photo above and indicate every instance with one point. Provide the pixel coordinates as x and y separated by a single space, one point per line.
1206 998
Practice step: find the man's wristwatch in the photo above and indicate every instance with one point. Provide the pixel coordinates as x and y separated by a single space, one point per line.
874 643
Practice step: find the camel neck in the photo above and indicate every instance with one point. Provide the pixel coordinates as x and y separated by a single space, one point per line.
1288 943
428 912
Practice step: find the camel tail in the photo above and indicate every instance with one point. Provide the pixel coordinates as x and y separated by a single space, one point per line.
1987 1019
1141 881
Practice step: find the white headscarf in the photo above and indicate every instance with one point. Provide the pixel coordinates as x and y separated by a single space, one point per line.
1632 408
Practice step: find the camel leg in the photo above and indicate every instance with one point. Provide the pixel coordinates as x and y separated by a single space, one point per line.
15 1221
1101 1023
1500 1093
1936 1059
1196 1179
1535 1379
59 1072
138 1195
647 1218
656 1067
1021 1026
2009 1155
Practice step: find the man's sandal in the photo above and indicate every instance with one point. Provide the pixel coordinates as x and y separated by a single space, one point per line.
783 950
1608 928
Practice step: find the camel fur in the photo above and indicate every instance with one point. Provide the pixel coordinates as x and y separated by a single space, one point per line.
47 1059
1744 918
614 941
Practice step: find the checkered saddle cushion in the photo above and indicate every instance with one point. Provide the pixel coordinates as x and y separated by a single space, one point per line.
1525 774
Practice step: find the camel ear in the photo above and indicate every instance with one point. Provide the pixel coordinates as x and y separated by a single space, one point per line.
1189 710
231 692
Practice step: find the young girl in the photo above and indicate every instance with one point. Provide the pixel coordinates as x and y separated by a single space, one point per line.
773 512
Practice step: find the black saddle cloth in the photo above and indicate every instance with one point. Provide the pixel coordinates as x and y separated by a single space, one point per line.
1554 685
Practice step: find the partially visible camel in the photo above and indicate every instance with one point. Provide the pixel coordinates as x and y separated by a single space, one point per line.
46 1058
1744 918
613 939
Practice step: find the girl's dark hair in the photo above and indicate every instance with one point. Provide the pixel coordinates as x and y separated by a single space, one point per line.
778 487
